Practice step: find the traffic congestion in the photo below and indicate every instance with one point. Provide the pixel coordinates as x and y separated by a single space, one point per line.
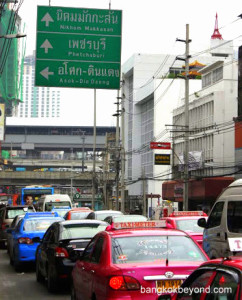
84 254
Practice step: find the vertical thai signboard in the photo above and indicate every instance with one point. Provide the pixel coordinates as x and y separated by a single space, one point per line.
2 121
78 47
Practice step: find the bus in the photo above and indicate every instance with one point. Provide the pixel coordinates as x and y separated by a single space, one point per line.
35 192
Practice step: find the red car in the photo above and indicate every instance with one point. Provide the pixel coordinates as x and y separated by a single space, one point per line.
187 221
135 263
215 279
78 213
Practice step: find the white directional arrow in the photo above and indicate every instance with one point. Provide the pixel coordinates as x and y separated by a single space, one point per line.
47 45
47 19
45 73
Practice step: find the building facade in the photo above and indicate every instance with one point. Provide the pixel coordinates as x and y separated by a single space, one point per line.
152 91
38 102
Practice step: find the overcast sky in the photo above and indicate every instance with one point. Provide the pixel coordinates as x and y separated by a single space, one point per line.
148 27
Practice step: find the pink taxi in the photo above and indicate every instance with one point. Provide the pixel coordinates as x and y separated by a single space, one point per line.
136 260
187 221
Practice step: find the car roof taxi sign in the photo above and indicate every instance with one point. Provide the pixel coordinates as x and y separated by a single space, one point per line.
144 224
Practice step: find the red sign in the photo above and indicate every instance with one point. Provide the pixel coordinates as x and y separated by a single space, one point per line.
160 145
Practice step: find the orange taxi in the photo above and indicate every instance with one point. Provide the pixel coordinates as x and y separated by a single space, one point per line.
77 213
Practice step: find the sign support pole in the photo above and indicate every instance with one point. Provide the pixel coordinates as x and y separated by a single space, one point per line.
94 153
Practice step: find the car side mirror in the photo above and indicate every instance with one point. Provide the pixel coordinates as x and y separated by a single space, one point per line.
76 254
108 228
168 225
202 223
36 239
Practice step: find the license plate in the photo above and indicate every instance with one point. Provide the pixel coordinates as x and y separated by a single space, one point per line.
168 284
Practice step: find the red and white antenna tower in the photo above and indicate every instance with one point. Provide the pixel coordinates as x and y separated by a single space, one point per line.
216 34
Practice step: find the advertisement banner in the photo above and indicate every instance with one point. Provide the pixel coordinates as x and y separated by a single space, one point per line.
194 161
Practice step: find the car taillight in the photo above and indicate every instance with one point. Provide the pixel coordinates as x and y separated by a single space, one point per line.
61 252
24 240
124 283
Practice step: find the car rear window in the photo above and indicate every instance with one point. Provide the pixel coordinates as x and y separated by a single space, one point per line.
142 249
12 213
189 225
78 215
102 216
50 205
39 224
129 218
73 231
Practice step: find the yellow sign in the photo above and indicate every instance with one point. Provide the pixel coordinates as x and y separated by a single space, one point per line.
162 159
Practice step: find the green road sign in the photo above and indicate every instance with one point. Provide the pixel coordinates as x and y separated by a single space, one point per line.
78 47
77 196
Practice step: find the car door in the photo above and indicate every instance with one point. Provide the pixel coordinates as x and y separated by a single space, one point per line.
214 236
197 284
225 284
13 239
96 271
81 274
43 250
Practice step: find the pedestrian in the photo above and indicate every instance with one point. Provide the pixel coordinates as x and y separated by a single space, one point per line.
29 200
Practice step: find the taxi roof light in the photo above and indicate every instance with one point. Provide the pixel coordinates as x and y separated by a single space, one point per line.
142 224
198 213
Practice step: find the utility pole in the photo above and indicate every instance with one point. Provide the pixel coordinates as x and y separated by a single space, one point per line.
122 156
117 153
144 193
105 170
83 152
186 154
186 147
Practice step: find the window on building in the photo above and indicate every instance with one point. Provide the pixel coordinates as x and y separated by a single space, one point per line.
217 74
206 80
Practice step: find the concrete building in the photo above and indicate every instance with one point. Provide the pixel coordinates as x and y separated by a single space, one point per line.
152 92
212 111
38 102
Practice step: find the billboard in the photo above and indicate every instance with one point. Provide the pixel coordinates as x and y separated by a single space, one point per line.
162 159
194 161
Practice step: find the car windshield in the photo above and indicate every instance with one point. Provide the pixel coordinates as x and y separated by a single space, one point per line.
143 249
78 215
50 205
12 213
189 225
102 216
73 231
39 224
